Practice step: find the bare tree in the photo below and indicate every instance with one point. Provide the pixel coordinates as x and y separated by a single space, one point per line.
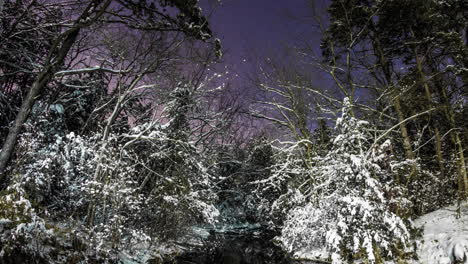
147 16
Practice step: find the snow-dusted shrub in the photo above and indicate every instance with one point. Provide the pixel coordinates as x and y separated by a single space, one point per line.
412 187
61 176
53 173
345 212
24 235
115 194
282 190
424 192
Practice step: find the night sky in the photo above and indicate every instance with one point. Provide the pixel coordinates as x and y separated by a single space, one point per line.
252 29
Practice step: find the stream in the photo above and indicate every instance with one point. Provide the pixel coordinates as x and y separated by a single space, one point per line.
236 239
249 244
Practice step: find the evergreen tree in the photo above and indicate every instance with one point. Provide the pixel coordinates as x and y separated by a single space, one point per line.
415 58
346 213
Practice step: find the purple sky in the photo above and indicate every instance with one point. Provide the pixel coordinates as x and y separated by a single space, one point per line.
253 30
249 28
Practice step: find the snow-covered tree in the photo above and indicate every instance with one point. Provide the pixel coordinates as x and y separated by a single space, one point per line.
57 179
153 184
346 213
174 176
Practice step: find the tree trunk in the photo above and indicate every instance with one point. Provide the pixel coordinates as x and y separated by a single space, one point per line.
385 65
409 153
41 81
438 147
462 180
54 61
428 93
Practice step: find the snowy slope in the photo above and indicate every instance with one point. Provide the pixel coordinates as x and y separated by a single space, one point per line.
445 238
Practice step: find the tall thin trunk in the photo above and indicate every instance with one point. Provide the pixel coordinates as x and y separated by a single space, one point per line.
54 61
409 153
438 147
41 81
457 141
385 65
462 180
428 94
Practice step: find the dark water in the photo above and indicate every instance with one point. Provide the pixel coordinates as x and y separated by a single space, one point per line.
236 246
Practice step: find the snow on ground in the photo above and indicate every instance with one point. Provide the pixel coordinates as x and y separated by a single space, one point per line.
309 256
445 238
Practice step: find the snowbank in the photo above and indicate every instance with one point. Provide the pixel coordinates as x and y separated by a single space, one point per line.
445 238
